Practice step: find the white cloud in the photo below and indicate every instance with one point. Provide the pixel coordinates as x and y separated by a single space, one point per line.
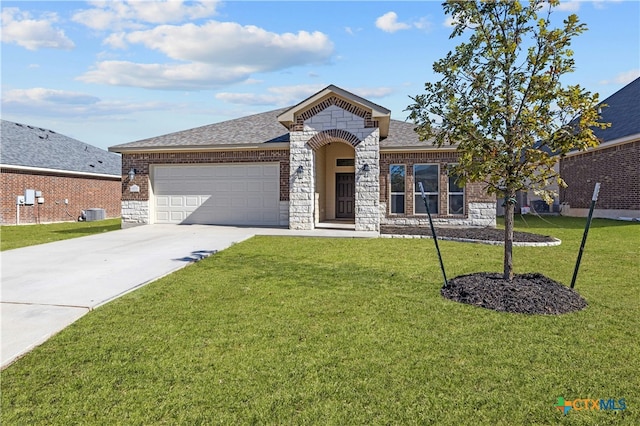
568 6
53 102
192 76
224 43
291 95
208 55
280 96
40 95
623 78
389 23
119 15
603 3
373 92
32 33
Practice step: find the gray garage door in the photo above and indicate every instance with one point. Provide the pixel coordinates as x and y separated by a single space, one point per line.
229 194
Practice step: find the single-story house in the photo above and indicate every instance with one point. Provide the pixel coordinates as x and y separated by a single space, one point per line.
332 157
615 163
48 177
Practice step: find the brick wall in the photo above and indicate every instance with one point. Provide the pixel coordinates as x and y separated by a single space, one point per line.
474 192
142 162
617 169
83 192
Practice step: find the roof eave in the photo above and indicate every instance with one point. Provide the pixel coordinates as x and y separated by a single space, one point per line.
200 148
57 171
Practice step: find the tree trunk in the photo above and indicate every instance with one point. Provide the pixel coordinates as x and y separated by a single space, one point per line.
509 208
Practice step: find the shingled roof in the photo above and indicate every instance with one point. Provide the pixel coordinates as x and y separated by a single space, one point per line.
623 112
29 146
254 130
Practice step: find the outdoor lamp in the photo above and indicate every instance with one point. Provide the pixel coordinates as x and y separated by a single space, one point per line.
300 171
132 174
365 168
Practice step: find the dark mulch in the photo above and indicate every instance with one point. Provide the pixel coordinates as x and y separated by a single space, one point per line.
526 294
480 234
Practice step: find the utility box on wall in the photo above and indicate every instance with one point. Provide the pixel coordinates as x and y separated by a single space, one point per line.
29 197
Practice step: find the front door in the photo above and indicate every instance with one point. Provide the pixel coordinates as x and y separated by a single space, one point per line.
345 195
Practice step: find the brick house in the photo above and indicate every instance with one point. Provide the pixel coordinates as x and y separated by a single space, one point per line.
332 157
58 176
615 163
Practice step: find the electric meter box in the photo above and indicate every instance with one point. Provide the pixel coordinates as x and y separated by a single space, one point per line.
29 197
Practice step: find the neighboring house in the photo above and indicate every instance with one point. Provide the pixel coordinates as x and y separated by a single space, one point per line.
48 177
333 157
615 163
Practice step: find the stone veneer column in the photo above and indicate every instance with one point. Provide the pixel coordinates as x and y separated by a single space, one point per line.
134 213
301 194
368 183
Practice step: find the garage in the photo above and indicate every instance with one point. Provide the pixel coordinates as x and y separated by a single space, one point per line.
217 194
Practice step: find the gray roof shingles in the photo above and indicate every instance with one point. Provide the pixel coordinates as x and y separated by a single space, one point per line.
31 146
256 129
623 112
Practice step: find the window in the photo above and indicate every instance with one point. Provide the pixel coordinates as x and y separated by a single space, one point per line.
428 174
345 162
397 175
456 195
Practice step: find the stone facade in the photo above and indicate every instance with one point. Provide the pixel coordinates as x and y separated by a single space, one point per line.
334 124
135 213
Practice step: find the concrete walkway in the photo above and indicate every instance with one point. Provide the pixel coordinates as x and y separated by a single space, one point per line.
47 287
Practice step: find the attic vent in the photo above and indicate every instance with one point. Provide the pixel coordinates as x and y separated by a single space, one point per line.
41 129
19 125
92 165
100 161
31 127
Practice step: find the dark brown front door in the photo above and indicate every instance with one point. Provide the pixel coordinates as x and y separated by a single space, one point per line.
345 195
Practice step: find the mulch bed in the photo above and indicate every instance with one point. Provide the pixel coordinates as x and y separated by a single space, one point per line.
479 234
526 294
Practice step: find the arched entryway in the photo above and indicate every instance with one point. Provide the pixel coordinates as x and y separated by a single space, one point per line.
335 180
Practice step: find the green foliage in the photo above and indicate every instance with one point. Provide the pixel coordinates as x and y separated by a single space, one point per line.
12 237
325 331
501 99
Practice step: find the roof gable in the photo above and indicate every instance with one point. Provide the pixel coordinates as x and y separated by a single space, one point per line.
29 146
373 114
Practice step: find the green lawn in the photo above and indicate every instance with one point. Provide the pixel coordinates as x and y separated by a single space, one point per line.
323 331
12 237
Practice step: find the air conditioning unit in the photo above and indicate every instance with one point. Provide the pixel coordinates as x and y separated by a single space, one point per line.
95 214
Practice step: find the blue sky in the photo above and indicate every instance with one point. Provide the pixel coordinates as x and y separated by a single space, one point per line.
110 72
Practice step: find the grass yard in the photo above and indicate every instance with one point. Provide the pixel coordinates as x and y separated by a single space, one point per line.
12 237
280 330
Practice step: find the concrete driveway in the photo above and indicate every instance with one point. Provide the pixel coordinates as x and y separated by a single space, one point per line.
47 287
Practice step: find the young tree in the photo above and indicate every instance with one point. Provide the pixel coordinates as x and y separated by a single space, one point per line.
501 100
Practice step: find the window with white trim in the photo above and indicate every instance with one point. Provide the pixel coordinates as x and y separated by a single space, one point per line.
428 174
397 173
456 195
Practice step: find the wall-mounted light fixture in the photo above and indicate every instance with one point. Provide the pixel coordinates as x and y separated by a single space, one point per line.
132 174
300 172
366 168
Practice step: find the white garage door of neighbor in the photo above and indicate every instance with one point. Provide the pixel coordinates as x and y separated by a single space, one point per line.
221 194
